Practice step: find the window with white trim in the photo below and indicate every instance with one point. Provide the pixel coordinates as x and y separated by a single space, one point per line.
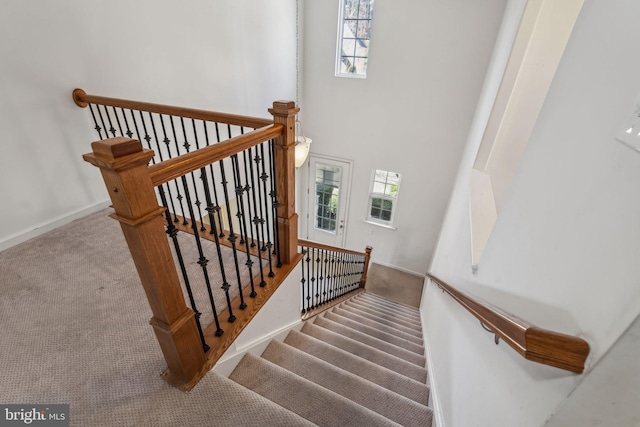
354 33
383 196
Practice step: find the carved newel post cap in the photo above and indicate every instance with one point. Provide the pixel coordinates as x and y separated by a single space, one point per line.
113 148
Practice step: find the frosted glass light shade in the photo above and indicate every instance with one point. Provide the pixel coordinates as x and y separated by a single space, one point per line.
302 150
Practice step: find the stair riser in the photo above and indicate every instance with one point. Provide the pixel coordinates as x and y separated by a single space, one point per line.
376 356
388 316
381 326
377 374
410 317
397 408
375 333
407 355
301 396
395 305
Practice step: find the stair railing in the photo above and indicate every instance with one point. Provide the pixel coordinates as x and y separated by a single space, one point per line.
330 275
218 191
530 341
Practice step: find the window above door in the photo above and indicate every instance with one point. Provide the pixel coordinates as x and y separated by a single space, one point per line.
354 35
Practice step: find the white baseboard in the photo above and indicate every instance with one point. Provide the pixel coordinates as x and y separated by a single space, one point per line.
438 418
54 223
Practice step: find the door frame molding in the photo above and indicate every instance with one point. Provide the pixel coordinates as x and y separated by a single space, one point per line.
307 193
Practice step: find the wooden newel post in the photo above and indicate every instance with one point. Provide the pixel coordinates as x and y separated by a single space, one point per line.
284 113
123 163
365 268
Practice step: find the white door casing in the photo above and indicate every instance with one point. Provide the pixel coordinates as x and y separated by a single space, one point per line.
329 183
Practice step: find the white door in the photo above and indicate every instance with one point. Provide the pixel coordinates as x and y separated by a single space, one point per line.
329 182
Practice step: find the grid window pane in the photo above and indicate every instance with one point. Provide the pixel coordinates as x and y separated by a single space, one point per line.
348 47
351 8
384 191
355 32
381 209
327 191
362 48
364 29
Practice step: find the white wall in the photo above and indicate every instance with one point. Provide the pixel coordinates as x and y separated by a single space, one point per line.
410 115
221 55
564 251
279 315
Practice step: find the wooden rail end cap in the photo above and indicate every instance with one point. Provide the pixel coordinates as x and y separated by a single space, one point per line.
78 94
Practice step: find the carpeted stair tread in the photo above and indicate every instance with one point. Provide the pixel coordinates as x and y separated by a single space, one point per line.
381 318
384 377
395 363
392 317
389 306
374 305
359 390
396 305
390 302
375 333
377 343
309 400
376 324
236 405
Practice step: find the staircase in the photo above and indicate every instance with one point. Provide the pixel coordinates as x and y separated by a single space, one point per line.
359 364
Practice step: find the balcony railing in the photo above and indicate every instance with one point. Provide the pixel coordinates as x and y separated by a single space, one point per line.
210 223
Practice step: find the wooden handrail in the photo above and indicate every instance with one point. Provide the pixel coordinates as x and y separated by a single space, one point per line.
189 351
366 254
317 245
325 304
81 99
189 162
533 343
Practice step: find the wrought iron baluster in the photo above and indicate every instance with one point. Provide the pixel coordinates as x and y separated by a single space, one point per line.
309 282
210 210
104 126
216 205
320 277
172 231
314 279
186 146
247 190
167 143
303 280
332 268
115 113
256 221
327 277
159 153
342 276
274 201
237 180
232 236
111 128
129 133
203 261
97 127
264 177
203 171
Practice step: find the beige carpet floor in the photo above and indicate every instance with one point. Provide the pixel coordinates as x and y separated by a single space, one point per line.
75 330
394 284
